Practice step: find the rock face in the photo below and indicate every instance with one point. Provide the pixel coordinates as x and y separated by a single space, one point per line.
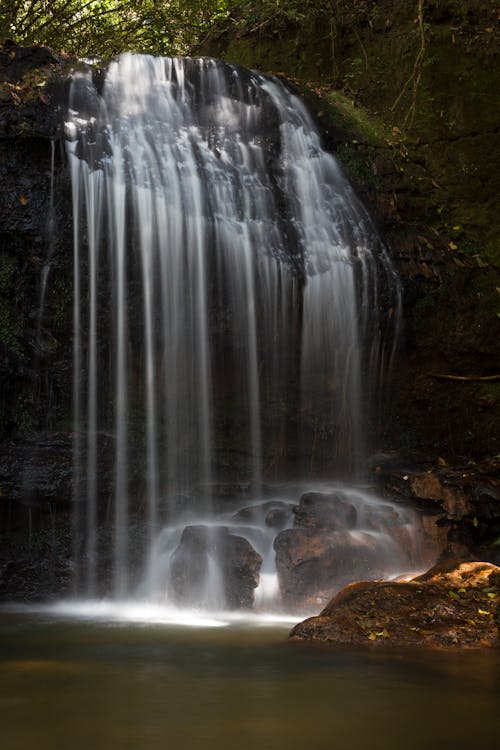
459 506
422 157
339 538
214 568
451 606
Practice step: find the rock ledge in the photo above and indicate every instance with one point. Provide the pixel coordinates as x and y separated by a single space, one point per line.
455 605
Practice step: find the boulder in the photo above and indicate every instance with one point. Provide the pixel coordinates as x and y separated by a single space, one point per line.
273 513
342 537
314 563
453 605
325 511
214 568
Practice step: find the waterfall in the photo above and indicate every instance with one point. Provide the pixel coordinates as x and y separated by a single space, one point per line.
228 295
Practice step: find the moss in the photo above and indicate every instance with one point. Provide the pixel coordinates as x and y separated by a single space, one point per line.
357 118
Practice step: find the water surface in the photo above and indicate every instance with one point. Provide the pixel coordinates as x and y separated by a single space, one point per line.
81 682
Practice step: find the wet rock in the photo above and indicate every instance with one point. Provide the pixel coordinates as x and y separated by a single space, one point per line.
312 563
274 513
211 567
454 499
343 537
37 469
459 506
278 517
37 566
325 511
455 605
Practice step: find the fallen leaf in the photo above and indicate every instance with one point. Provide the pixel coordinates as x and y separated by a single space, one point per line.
22 199
480 262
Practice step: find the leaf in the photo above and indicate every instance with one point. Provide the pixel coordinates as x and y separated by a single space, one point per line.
484 612
491 595
452 246
480 262
380 634
23 200
453 595
475 522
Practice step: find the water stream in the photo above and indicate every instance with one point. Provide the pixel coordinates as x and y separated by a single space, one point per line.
235 318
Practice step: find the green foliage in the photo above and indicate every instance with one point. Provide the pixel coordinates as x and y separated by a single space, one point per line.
102 28
286 11
106 27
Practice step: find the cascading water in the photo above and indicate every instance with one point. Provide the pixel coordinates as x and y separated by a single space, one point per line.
227 324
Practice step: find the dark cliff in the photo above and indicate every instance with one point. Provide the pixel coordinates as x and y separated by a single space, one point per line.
405 96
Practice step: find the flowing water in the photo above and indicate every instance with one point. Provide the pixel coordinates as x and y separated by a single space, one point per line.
235 312
79 682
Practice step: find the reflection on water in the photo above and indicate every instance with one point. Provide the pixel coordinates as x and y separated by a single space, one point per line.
80 684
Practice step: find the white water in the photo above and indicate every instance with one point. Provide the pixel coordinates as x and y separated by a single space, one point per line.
227 321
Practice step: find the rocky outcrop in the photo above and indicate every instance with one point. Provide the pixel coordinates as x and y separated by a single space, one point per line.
214 568
35 244
451 606
459 506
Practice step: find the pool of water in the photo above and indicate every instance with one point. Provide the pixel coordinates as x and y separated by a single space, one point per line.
76 681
